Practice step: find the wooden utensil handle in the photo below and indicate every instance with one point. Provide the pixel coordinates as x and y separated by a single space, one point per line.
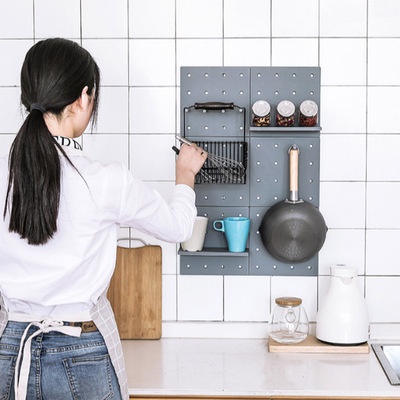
294 172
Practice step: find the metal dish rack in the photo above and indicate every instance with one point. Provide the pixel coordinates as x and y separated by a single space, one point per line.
227 149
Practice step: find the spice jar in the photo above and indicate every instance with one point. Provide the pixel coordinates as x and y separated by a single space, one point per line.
285 113
289 321
308 113
261 113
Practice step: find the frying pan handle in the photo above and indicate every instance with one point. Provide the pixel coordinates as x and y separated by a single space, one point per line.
294 172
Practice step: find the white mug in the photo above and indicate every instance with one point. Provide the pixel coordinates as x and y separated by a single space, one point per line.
196 242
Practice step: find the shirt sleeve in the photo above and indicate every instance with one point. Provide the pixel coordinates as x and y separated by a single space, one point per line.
143 208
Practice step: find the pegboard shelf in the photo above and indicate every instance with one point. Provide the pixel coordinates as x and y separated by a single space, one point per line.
215 252
285 129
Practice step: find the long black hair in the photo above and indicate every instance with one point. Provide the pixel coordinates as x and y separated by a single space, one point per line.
53 75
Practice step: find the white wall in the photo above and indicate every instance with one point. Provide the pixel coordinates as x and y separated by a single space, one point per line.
140 46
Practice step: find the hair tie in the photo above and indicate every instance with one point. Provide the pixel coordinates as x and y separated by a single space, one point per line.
39 107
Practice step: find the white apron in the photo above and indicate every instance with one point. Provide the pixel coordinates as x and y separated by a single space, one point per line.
103 316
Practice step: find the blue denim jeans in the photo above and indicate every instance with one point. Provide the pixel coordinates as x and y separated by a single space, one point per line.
62 367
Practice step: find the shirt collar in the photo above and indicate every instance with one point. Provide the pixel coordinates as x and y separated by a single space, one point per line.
71 146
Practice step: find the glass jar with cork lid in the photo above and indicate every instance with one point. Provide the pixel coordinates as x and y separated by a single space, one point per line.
289 322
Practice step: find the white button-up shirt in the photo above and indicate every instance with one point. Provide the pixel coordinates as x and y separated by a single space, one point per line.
65 277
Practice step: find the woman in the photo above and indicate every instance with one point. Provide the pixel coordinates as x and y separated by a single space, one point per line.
58 235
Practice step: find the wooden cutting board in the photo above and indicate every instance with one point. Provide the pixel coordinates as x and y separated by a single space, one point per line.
312 345
135 292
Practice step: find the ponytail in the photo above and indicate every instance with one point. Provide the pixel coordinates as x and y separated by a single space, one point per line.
52 77
34 180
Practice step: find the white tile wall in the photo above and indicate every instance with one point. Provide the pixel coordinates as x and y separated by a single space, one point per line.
140 47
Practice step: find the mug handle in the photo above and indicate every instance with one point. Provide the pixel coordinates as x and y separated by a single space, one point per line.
219 221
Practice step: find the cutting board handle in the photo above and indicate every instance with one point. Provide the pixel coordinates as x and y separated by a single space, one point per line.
138 239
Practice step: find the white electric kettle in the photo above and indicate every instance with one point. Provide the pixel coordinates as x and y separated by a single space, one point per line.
342 318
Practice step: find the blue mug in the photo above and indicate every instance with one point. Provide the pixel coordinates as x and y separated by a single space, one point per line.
236 231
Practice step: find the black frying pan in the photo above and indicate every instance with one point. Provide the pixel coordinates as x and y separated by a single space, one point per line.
293 231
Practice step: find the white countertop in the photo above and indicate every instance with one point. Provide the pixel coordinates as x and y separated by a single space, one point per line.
245 367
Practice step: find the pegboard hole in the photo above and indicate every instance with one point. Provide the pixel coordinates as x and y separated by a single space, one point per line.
294 93
312 75
276 180
224 75
311 93
258 75
241 74
189 92
206 127
310 198
206 74
224 92
294 75
189 127
189 75
206 92
259 92
311 180
241 92
223 127
276 93
276 75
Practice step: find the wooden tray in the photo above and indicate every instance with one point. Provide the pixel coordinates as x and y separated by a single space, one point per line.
313 345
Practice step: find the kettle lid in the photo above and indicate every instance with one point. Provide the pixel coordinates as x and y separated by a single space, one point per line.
343 271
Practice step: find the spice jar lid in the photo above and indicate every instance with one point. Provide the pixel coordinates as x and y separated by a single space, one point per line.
309 108
261 108
285 108
288 301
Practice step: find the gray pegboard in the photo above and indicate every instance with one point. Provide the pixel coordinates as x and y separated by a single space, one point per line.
268 160
214 84
225 196
275 84
214 264
269 166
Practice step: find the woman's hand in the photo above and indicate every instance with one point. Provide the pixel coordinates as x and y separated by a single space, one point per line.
191 158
